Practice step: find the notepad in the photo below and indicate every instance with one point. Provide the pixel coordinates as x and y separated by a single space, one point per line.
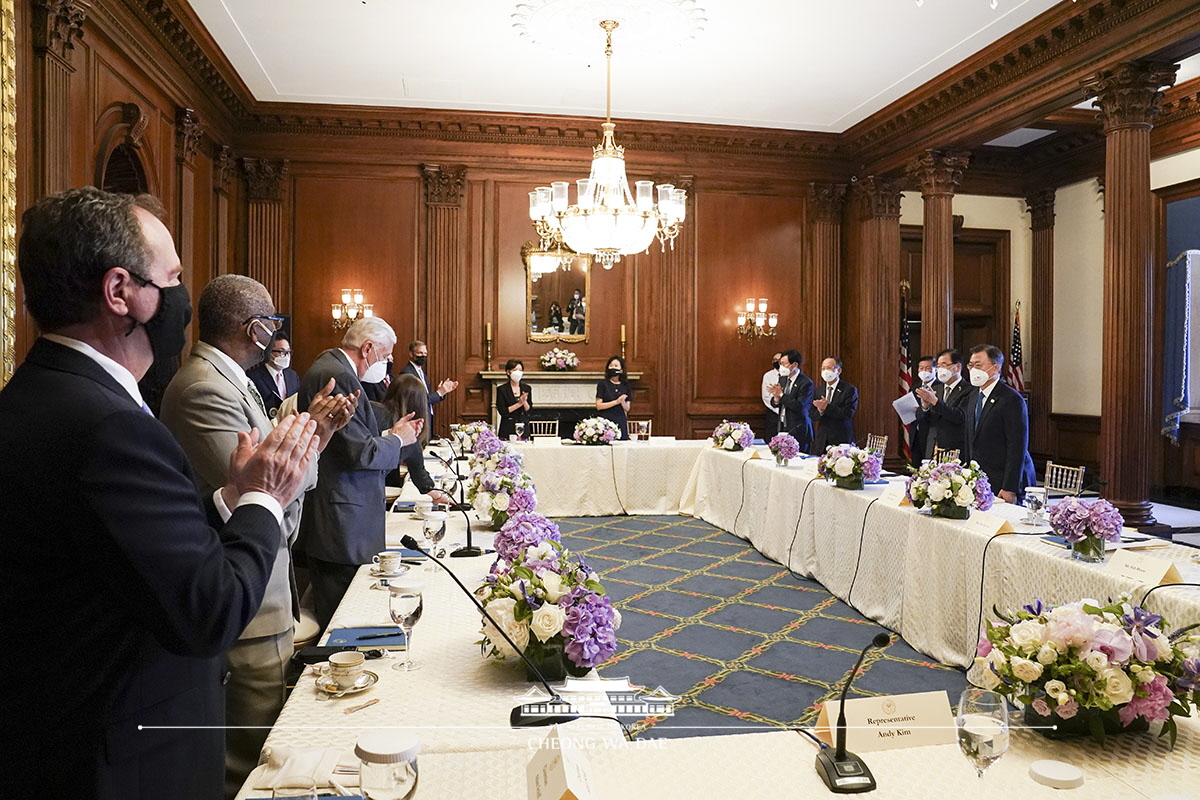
349 636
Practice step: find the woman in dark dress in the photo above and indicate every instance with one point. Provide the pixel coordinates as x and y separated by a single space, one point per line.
613 393
556 317
407 395
514 399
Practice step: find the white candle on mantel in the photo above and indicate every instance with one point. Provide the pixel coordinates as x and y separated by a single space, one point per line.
489 331
622 333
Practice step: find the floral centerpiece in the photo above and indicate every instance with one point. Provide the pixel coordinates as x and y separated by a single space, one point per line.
848 466
467 434
784 447
949 489
559 360
732 435
553 607
524 529
1086 526
1085 669
497 484
596 430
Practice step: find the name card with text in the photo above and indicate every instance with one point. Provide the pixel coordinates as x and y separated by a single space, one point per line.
558 770
987 524
890 723
894 495
1146 570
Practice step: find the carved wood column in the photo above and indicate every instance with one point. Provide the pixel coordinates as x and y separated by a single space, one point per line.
188 134
876 300
443 281
678 265
224 170
1039 319
939 173
55 25
1129 99
823 303
267 236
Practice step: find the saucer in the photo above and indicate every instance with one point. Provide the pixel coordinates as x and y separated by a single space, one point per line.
365 681
376 572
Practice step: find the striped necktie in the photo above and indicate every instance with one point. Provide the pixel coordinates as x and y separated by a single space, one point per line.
978 409
257 397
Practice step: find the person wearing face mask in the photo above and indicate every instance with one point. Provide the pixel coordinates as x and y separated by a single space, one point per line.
793 397
207 404
577 312
418 360
771 418
997 430
273 376
834 407
86 469
926 379
343 520
943 406
613 393
514 399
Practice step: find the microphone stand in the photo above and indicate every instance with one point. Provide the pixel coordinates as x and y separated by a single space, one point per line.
462 505
516 717
843 772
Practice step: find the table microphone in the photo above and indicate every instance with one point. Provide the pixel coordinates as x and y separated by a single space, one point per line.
517 718
462 506
842 771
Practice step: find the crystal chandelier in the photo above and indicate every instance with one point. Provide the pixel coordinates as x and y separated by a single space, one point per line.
607 221
754 324
541 261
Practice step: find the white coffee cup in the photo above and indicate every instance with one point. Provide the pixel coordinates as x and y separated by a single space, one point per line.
423 505
388 562
345 668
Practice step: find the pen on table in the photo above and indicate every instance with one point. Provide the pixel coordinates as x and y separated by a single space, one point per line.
361 706
396 632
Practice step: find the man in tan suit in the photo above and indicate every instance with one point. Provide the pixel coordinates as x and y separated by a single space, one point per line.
208 402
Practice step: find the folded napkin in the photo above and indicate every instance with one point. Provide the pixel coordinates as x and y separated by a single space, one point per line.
292 762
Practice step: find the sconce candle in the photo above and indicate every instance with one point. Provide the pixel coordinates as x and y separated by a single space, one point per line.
489 331
622 333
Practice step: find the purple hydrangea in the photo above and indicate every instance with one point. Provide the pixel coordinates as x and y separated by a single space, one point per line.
522 500
522 530
510 464
487 444
1105 521
872 466
1073 519
984 498
589 631
784 445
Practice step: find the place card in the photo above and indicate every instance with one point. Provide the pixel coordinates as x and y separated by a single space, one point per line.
558 771
1146 570
892 722
987 524
894 495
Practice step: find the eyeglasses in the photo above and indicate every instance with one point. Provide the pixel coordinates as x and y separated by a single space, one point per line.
272 321
281 352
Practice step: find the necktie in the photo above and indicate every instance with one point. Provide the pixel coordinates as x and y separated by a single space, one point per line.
978 409
257 398
828 392
281 385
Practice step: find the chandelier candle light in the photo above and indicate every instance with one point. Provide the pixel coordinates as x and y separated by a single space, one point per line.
755 322
607 221
351 309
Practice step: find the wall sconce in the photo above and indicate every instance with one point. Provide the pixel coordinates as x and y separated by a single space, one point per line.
351 309
754 322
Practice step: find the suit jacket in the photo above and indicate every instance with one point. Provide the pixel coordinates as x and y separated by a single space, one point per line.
946 420
1000 442
434 396
837 423
138 632
205 406
794 405
343 517
264 381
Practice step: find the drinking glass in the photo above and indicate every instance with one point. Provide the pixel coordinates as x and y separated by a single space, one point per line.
520 430
295 788
434 531
982 727
1034 502
405 606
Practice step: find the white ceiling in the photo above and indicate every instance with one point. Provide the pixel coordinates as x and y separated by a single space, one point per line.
817 65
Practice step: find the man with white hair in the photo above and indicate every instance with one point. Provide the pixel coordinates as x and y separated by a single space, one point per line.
343 522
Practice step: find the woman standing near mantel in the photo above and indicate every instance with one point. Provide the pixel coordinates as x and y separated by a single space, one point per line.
514 399
613 393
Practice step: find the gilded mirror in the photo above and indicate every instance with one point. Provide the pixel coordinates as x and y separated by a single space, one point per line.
558 302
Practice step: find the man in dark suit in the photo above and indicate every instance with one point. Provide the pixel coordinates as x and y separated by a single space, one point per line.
997 429
943 407
926 379
418 360
273 376
342 526
793 396
833 409
93 482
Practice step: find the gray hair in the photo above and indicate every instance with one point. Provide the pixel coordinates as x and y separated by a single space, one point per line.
227 302
369 329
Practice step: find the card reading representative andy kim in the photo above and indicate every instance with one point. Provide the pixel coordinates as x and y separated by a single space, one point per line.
891 722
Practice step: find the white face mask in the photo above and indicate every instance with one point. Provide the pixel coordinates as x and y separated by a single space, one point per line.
945 374
253 338
926 376
785 371
282 362
517 375
979 377
828 375
376 372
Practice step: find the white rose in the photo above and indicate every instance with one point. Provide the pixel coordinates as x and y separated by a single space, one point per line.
483 504
730 443
503 610
843 467
1117 686
1047 654
500 502
964 497
1026 670
552 583
981 674
543 551
936 493
1054 688
1146 676
548 621
1027 635
1096 660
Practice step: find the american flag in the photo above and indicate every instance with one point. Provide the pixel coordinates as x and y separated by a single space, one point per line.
1015 375
905 373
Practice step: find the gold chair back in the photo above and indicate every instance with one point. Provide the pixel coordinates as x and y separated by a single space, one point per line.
543 427
876 443
1064 479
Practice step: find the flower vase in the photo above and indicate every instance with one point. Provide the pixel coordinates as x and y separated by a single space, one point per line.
849 482
780 461
1089 549
950 510
1086 722
551 660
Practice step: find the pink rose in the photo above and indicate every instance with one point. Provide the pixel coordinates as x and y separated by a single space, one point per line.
1041 707
1067 710
984 647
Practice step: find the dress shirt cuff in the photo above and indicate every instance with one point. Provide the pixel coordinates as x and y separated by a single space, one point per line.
249 498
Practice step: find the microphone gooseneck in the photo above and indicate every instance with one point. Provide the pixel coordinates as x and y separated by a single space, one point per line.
842 771
880 640
462 505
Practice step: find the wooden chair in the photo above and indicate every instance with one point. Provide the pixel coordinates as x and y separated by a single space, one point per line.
543 427
876 443
639 430
942 455
1063 479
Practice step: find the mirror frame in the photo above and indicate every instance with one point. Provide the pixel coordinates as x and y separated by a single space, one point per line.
530 336
8 192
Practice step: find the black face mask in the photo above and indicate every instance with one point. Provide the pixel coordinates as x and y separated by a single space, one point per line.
775 364
612 372
420 360
168 327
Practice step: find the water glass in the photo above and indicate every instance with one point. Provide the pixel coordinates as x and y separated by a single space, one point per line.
520 426
982 723
298 787
405 606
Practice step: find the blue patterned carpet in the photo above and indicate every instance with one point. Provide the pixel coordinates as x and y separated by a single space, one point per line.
746 644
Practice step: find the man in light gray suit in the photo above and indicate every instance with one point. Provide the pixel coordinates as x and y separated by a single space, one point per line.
343 520
208 402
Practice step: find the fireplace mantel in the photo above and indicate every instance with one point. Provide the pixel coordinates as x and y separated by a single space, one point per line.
552 390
